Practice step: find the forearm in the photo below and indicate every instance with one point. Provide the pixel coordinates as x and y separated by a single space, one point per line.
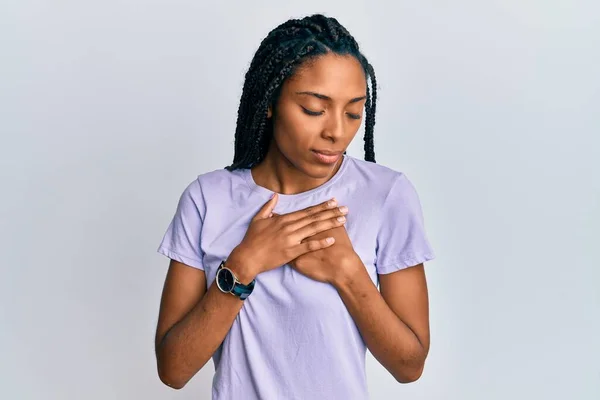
389 339
191 342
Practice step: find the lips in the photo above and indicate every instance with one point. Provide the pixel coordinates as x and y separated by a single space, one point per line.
328 152
327 156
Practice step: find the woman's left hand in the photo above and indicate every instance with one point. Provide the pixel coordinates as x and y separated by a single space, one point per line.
331 264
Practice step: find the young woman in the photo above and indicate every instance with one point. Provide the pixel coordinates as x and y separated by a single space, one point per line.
276 259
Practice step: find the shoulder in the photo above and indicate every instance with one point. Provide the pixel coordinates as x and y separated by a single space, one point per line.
212 187
377 178
218 186
216 179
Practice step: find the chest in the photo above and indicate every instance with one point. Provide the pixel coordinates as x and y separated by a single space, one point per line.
223 231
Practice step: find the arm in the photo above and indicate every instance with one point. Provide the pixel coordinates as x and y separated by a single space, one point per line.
192 322
394 322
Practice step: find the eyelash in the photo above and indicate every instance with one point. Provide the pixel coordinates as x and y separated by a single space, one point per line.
313 113
317 113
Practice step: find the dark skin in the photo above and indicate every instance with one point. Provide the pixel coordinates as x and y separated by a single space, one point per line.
289 167
320 108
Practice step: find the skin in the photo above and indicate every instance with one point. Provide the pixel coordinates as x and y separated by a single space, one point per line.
289 166
393 321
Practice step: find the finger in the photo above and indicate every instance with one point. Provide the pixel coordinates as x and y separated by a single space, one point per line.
318 227
315 223
296 215
311 245
266 210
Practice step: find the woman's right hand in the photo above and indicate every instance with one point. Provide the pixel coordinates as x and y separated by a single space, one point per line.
274 240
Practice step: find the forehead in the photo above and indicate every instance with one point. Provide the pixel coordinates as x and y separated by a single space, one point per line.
339 77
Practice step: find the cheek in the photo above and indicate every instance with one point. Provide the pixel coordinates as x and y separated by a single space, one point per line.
296 128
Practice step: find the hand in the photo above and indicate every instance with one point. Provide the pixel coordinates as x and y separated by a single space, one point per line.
331 264
273 240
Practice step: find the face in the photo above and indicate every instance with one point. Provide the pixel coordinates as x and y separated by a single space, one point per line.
320 109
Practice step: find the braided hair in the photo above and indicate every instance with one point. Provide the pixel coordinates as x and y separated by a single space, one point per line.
278 57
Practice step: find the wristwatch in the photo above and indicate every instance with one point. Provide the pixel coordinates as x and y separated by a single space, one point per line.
228 283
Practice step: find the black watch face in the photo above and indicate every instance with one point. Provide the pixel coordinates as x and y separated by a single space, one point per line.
225 280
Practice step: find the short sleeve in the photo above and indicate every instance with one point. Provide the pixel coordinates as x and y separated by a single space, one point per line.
401 240
181 242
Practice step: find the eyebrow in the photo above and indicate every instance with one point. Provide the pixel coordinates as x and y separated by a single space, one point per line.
323 97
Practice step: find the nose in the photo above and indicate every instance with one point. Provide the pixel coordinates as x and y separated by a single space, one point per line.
334 127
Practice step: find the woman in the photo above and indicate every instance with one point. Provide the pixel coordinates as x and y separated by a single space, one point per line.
275 259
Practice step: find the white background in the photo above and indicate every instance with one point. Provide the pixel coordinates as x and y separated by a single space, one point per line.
108 109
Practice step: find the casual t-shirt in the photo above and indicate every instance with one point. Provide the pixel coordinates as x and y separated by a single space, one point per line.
294 337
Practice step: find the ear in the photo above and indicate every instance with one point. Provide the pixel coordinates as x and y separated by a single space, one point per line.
269 112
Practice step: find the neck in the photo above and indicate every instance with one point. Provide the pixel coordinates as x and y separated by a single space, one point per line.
278 174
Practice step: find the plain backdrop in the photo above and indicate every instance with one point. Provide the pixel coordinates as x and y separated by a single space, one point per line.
108 109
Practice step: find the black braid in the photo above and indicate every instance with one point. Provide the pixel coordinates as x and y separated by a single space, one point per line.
370 119
279 55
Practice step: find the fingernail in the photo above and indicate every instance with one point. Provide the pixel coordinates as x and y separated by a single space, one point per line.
344 209
332 203
341 219
329 240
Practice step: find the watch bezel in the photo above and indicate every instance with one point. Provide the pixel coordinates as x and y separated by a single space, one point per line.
238 289
223 269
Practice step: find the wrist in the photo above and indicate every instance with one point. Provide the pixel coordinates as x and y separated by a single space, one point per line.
348 272
241 266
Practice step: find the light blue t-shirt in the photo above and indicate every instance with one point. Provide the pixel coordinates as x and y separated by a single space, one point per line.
294 338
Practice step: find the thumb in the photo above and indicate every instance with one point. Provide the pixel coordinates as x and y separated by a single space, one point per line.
266 210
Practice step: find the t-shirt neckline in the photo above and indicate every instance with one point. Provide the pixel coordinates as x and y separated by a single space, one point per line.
298 196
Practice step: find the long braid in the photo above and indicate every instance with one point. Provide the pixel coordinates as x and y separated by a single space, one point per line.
370 118
279 55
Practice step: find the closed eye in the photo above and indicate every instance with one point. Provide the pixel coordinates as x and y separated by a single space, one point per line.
317 113
310 112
